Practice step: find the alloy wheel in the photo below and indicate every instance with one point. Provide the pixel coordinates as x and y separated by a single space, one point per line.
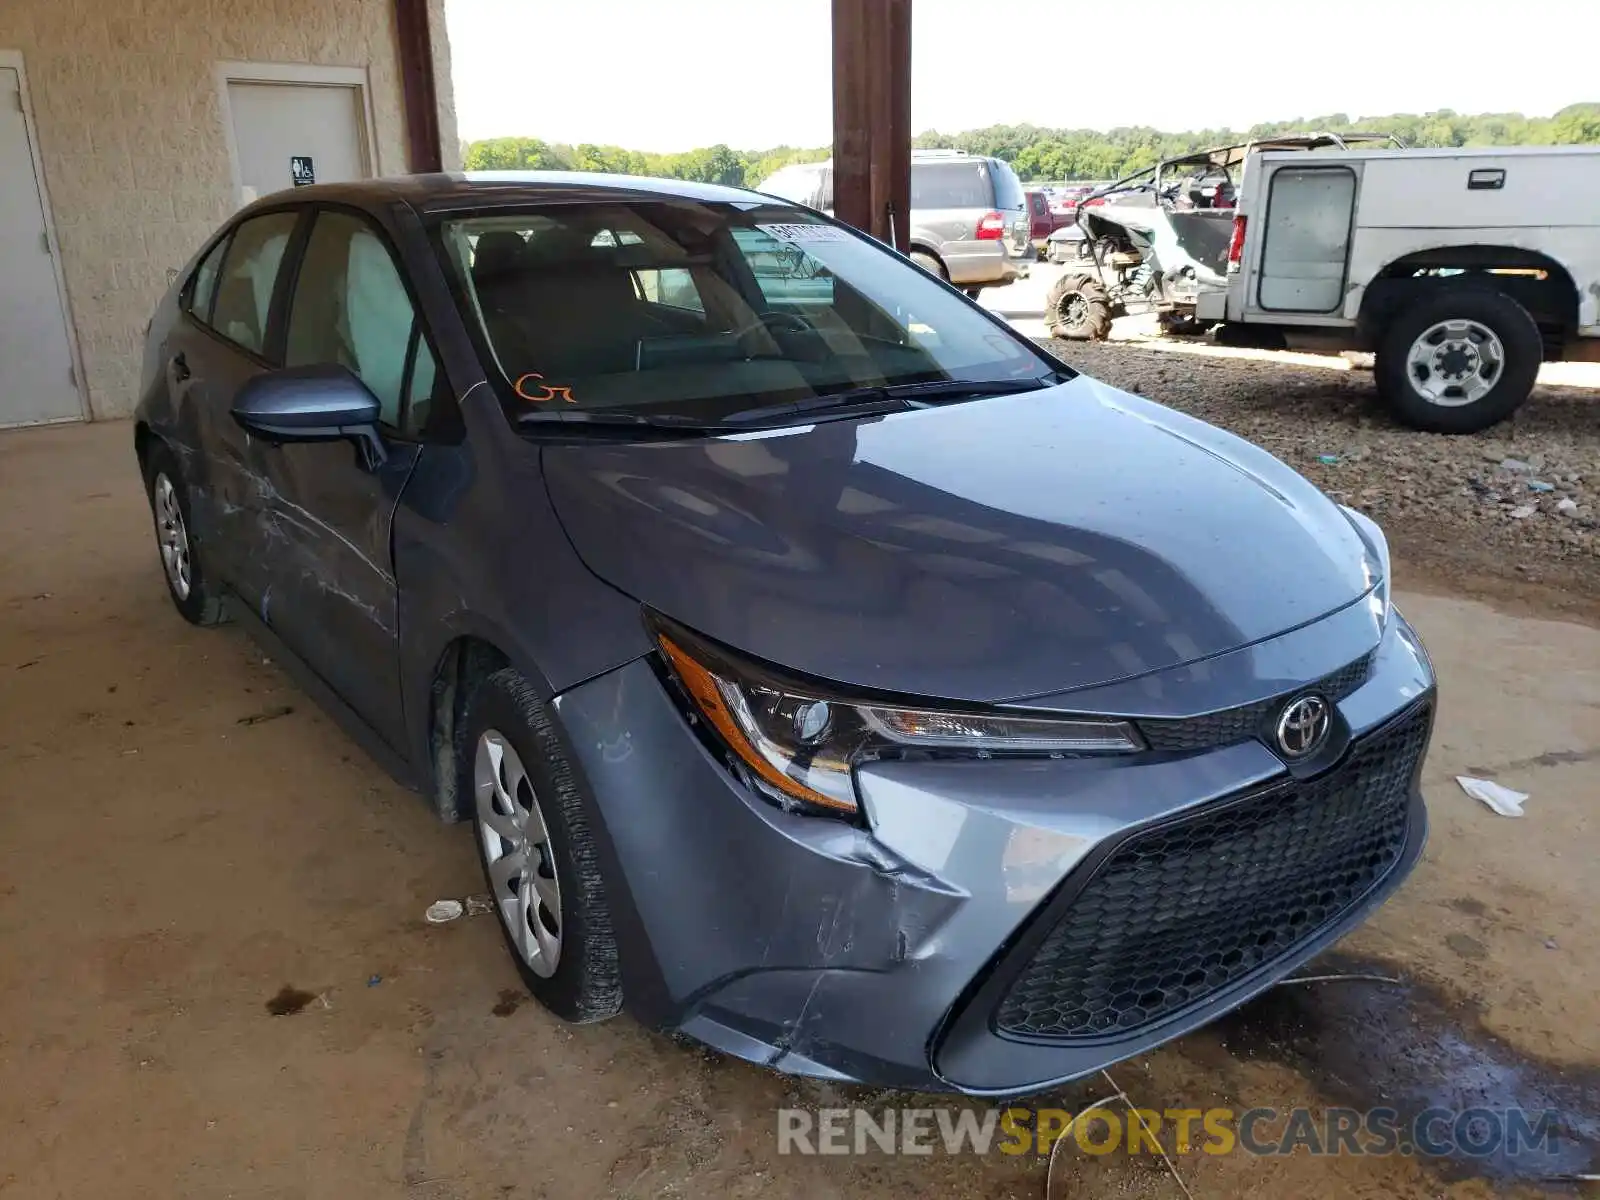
516 848
173 536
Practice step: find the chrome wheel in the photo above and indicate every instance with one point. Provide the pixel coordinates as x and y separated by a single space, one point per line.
1455 363
173 536
516 847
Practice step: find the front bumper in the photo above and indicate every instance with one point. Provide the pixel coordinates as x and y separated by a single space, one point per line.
884 954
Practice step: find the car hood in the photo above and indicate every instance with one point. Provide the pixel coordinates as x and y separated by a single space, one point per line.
998 549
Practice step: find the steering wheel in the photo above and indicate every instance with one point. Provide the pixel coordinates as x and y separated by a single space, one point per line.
796 324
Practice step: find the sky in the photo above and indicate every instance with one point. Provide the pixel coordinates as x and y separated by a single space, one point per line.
675 74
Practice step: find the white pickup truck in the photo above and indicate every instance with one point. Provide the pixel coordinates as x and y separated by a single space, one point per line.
1463 269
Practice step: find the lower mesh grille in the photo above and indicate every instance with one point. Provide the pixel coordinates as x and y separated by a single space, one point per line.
1190 907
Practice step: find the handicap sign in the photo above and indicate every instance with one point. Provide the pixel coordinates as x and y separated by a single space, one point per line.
301 170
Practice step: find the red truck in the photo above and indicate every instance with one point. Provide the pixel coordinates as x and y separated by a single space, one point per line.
1043 220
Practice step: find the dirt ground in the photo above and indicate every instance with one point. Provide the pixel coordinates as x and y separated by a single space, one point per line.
168 867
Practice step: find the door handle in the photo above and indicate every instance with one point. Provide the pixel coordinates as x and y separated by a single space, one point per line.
180 367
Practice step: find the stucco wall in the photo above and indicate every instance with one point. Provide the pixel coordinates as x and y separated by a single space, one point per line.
130 128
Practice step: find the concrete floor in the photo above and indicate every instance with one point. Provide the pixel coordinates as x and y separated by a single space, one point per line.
166 869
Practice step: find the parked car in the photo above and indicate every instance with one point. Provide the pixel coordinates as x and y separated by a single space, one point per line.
969 219
1461 269
1043 220
828 673
1158 238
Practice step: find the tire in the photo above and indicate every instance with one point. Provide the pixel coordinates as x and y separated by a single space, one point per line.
1077 308
929 263
1176 324
581 981
194 594
1473 310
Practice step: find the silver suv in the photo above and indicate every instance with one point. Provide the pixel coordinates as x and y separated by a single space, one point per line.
969 218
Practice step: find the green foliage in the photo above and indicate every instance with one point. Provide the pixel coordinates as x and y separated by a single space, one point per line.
1040 153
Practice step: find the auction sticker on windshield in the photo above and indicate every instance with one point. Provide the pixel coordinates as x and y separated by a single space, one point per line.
804 233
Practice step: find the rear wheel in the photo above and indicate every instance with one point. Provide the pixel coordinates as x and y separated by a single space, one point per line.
1078 308
929 263
193 593
1180 324
1459 360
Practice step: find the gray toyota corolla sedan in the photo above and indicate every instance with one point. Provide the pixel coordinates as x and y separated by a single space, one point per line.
828 673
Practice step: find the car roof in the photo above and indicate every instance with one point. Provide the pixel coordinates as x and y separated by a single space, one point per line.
474 189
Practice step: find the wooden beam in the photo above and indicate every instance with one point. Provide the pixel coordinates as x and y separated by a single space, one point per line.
418 89
872 116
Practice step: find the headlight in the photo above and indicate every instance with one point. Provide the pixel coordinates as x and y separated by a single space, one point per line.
1372 534
797 743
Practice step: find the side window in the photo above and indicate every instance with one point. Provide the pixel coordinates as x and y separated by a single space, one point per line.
950 185
249 273
203 283
672 286
350 308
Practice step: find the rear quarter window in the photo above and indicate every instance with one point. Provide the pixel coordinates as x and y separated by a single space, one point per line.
1007 187
202 286
952 185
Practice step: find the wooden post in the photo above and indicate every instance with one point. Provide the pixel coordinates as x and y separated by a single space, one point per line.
418 89
872 116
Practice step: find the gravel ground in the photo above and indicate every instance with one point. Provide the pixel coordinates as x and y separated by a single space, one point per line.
1511 514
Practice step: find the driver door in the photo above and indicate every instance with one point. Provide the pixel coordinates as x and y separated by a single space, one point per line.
331 592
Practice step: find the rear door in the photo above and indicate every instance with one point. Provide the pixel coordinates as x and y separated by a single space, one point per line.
1298 240
214 349
331 587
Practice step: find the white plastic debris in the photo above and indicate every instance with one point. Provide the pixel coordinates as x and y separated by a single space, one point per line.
478 905
1523 511
441 911
1566 505
1501 799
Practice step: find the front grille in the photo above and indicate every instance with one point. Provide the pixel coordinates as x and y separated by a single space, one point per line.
1239 724
1191 906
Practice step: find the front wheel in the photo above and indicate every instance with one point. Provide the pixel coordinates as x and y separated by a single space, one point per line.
533 822
1459 360
1078 308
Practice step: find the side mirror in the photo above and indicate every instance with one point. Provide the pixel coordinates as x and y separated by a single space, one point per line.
312 404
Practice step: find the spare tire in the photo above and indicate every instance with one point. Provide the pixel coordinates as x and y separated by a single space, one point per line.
1078 308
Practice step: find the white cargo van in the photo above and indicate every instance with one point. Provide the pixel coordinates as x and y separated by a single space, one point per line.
1463 269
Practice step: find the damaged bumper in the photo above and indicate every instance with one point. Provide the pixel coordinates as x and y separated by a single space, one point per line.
1001 925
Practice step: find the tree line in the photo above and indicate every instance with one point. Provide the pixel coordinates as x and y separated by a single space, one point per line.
1043 153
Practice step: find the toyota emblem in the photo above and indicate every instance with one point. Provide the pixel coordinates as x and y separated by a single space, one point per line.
1303 726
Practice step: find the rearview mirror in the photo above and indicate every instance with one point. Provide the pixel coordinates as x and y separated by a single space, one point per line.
312 404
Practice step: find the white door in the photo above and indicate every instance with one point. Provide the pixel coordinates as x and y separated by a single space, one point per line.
1305 239
296 133
36 378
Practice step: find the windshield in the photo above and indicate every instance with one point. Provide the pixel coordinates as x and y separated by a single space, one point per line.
700 310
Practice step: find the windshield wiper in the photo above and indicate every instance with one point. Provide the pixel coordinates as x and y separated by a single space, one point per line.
893 395
855 402
931 392
676 422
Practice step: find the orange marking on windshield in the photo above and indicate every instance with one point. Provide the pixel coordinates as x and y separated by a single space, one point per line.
551 392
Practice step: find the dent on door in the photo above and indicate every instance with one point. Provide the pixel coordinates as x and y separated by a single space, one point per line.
329 586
